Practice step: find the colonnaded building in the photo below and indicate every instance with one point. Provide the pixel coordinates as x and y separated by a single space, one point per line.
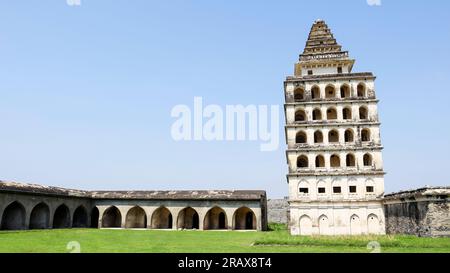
335 178
30 206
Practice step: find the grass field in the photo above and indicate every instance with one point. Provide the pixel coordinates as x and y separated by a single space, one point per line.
139 241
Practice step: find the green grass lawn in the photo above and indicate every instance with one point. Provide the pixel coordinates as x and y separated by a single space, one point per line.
107 240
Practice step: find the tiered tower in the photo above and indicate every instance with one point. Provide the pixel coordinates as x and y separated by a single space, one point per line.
336 177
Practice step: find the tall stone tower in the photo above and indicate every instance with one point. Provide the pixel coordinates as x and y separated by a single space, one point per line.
336 177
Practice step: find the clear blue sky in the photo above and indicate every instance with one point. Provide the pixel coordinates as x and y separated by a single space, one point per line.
86 92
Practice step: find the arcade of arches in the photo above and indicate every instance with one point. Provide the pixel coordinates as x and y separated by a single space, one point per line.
211 211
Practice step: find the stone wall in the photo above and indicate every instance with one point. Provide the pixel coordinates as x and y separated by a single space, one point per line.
422 212
30 206
278 211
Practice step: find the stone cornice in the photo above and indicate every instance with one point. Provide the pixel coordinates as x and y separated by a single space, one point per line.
344 76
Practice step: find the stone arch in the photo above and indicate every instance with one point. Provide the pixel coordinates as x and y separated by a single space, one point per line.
215 218
361 90
318 137
61 217
95 215
333 136
320 161
332 113
40 216
317 114
373 224
349 136
347 113
299 94
136 218
350 160
315 92
188 219
367 160
330 91
363 113
355 225
300 115
302 162
80 218
112 218
345 91
162 218
13 217
244 218
305 225
324 225
365 135
301 137
335 161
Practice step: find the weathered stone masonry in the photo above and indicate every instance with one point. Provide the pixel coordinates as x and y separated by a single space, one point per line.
421 212
29 206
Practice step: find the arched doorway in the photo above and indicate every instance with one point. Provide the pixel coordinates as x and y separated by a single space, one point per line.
215 219
373 224
355 225
136 218
13 217
61 218
95 214
112 218
324 225
305 225
40 217
188 219
244 218
80 218
162 219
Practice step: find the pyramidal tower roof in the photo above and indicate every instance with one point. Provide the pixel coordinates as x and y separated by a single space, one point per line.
322 54
321 44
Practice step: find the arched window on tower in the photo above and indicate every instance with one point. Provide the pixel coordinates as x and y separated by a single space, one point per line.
320 161
345 91
301 138
302 162
315 92
318 137
350 160
361 90
331 114
363 113
299 94
317 114
300 116
349 136
335 161
365 135
330 92
333 136
367 160
347 113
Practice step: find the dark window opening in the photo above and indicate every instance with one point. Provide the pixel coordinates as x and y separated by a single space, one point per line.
304 190
321 190
369 189
337 190
352 189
